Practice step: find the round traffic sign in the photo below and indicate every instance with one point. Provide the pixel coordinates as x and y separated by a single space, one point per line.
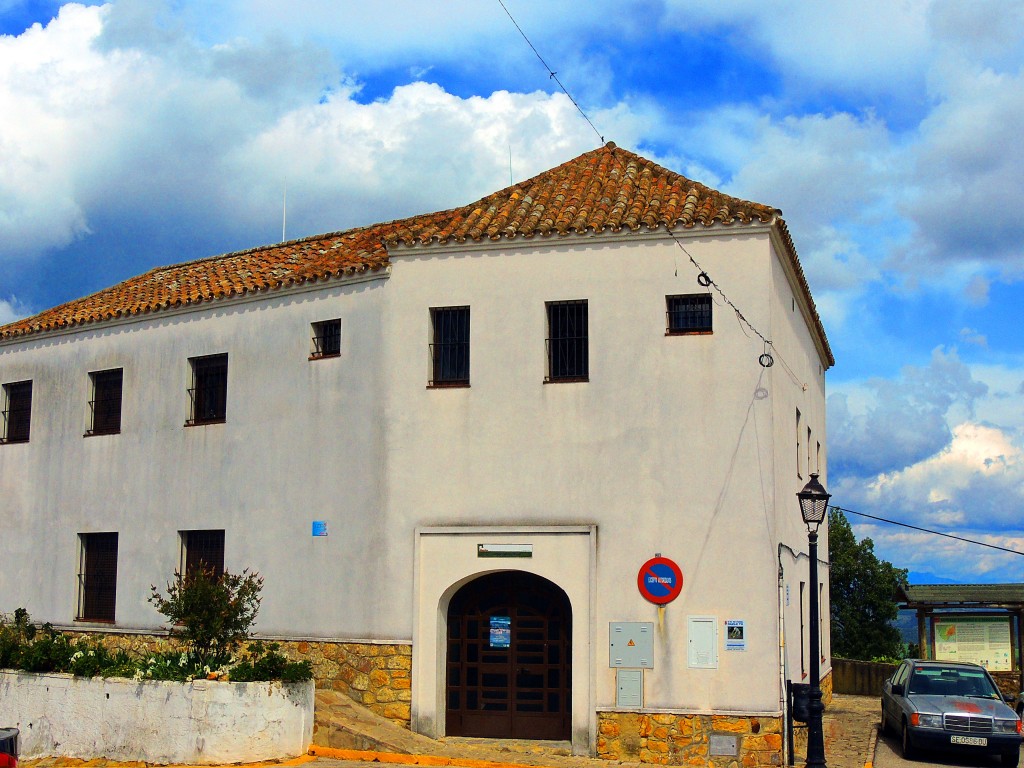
660 580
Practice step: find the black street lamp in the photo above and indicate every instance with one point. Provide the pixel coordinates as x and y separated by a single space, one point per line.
813 507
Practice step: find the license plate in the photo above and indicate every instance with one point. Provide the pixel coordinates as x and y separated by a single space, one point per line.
972 741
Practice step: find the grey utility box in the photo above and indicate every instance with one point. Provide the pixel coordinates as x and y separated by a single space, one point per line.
629 688
631 644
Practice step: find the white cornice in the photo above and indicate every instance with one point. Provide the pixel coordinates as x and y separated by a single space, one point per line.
400 250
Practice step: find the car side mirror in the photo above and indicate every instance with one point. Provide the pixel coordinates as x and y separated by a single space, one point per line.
897 689
1009 698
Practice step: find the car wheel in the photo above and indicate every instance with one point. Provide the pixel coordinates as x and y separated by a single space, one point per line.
885 723
907 750
1011 758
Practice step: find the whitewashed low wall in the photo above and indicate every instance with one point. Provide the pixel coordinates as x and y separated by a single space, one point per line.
202 722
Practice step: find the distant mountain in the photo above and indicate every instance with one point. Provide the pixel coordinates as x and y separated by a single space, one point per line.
921 577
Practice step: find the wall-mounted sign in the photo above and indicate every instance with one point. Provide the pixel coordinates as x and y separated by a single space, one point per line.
735 635
982 640
319 527
501 631
660 580
504 550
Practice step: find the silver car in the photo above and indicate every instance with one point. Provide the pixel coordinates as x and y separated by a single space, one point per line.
948 705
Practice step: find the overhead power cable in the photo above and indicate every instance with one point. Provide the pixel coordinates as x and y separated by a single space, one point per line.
926 530
551 73
767 358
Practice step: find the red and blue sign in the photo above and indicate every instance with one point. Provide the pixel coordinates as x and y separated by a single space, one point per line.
660 580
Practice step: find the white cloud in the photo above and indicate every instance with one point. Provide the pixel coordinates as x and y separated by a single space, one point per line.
898 423
874 45
11 309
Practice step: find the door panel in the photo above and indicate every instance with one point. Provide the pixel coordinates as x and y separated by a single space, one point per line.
509 659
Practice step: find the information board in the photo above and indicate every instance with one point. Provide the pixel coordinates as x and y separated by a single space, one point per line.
978 639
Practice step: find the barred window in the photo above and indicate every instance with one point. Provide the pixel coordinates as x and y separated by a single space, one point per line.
106 402
688 314
202 550
568 353
97 577
209 392
449 350
326 339
17 412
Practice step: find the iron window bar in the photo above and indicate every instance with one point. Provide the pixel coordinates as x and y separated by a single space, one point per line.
567 343
209 393
449 351
106 403
17 412
203 550
326 339
97 577
689 314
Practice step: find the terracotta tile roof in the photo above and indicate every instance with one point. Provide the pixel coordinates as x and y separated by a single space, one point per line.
607 189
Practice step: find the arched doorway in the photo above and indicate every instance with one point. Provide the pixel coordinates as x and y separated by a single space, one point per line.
509 659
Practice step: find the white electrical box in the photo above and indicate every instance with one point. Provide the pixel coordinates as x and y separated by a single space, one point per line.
702 642
629 688
631 644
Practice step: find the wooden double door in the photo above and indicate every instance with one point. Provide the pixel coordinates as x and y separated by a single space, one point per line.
509 662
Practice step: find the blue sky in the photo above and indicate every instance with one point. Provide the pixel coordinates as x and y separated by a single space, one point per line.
139 132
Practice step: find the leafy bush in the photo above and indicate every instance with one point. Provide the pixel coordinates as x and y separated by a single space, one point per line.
229 603
210 613
16 631
50 651
266 662
93 659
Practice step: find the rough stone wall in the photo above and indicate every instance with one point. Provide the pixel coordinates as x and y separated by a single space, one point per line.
377 676
678 739
826 688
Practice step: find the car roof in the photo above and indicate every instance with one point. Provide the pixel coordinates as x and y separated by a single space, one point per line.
925 663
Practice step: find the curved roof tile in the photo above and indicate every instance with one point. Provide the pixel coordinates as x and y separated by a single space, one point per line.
606 189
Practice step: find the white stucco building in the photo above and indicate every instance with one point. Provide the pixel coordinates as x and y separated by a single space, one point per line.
569 368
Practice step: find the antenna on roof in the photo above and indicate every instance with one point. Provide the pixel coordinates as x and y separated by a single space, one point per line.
284 214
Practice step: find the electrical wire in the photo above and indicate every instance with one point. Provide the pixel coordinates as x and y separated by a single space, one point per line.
767 358
925 530
551 73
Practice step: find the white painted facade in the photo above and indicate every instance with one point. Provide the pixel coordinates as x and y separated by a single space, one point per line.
678 445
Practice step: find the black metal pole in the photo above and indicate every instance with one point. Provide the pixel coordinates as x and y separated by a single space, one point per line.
815 733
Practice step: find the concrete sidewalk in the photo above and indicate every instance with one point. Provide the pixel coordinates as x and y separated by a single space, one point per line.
850 726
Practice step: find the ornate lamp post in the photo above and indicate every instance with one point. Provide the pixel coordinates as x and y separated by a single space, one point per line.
813 507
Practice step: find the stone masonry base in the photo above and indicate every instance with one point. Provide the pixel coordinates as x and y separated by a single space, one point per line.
682 739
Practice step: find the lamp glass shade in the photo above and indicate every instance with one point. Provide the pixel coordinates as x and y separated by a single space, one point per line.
813 502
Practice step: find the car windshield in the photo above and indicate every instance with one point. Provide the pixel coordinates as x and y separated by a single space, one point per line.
952 681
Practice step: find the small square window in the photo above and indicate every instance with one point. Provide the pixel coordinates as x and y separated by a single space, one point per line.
17 412
97 577
326 339
202 550
688 314
568 351
106 402
209 392
449 350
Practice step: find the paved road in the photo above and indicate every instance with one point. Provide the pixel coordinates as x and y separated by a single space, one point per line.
887 755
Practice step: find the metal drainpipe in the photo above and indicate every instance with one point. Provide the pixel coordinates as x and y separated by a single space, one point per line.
787 745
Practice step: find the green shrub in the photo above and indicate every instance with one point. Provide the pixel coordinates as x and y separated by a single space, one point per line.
50 651
211 614
93 659
16 631
266 662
